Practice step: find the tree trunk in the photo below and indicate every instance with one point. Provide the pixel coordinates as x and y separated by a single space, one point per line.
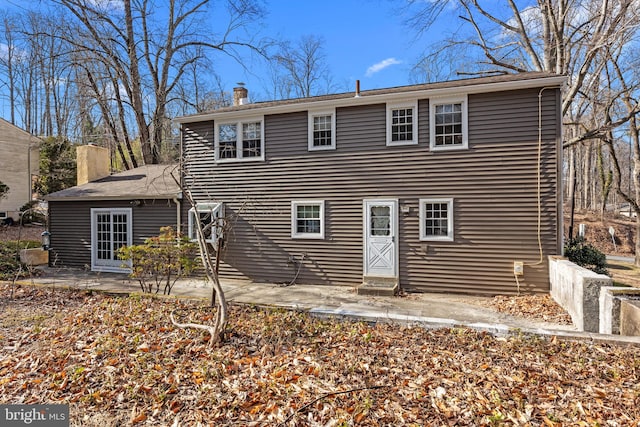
136 88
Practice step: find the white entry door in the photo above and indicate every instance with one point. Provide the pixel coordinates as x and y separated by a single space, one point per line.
110 230
380 238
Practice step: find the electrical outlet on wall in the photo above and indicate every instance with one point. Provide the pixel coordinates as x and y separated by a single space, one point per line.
518 268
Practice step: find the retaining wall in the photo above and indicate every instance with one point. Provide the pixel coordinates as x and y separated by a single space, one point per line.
577 290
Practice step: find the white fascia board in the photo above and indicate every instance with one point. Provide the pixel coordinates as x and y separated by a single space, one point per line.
364 99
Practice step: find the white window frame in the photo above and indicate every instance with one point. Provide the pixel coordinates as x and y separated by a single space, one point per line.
433 102
450 232
414 124
322 113
216 209
294 219
239 134
124 266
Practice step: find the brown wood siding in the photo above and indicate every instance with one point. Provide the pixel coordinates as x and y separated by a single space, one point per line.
493 183
70 226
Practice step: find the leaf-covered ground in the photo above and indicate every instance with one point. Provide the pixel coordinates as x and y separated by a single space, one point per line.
119 361
539 307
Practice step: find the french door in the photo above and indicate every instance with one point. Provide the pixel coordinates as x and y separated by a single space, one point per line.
110 230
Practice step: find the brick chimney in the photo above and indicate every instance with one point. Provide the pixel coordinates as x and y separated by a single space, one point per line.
93 163
240 95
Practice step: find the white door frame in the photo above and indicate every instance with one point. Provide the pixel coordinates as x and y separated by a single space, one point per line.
114 266
394 258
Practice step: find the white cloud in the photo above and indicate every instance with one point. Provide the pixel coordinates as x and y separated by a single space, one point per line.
381 66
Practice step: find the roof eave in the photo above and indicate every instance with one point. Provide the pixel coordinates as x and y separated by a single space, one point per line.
364 99
169 196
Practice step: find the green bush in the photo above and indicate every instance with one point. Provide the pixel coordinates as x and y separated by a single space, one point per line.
160 260
586 255
10 264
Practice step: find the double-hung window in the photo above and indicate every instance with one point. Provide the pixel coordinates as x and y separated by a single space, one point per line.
402 123
322 130
242 140
436 219
448 123
211 217
307 219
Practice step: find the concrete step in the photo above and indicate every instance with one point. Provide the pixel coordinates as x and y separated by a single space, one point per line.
378 286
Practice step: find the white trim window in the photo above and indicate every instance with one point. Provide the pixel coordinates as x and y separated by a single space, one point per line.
402 123
436 219
307 219
211 215
322 130
111 229
448 123
239 141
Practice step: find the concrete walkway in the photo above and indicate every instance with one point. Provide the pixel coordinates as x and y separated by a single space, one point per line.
429 310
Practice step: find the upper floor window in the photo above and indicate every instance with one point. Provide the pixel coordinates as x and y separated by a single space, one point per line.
210 215
241 140
436 219
448 118
402 124
322 130
307 219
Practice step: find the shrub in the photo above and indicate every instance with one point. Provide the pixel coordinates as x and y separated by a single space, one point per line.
160 260
580 252
10 264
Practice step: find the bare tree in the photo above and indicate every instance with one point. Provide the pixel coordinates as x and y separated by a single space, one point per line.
8 60
149 52
570 37
301 69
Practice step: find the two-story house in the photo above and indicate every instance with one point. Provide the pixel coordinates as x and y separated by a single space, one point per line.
441 187
19 165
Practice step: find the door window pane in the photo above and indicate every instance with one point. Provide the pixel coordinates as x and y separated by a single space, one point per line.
380 220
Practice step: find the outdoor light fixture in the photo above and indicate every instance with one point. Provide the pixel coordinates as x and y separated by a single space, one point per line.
46 240
405 209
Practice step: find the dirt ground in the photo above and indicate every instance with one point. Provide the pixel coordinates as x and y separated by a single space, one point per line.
597 232
14 232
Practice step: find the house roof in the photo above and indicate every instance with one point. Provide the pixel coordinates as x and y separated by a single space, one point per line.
447 88
5 124
145 182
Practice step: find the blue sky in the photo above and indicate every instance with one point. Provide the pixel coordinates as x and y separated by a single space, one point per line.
363 40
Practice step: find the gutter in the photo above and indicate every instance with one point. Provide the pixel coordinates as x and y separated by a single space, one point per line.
366 98
171 196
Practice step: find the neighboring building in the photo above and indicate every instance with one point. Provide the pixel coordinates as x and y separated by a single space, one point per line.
19 165
90 221
442 187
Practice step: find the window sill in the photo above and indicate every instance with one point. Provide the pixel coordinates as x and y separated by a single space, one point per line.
308 236
436 239
248 159
323 148
400 143
449 147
